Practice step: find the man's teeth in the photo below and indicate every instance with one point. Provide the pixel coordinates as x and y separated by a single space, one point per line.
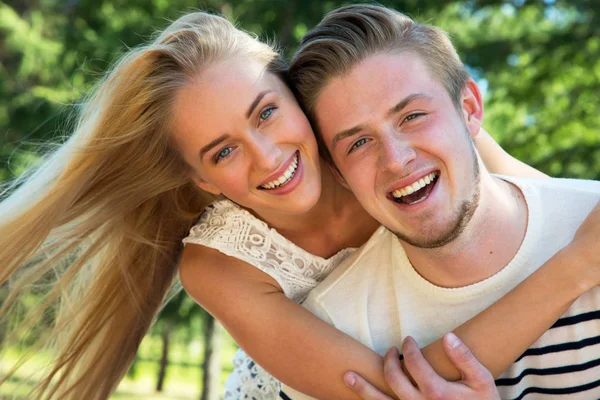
410 189
285 177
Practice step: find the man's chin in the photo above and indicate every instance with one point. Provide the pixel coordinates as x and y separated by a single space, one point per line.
440 235
429 242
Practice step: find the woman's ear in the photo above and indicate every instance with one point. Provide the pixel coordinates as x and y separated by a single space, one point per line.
472 106
206 186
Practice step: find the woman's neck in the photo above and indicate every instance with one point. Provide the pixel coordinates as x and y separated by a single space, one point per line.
337 220
333 201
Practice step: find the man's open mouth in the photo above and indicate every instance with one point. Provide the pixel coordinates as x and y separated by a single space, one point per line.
417 191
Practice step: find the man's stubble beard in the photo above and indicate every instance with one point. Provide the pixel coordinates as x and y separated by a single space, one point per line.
462 216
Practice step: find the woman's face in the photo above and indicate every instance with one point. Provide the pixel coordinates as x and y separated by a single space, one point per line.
243 133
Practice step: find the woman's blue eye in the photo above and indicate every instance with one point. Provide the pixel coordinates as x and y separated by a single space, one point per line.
357 144
266 114
222 154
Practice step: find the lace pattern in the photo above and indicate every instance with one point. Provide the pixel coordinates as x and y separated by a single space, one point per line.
249 381
235 232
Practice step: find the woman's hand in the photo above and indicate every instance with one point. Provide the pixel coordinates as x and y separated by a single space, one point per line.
476 383
498 161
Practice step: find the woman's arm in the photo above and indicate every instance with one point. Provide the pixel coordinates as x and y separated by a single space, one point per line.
498 335
292 344
282 337
498 161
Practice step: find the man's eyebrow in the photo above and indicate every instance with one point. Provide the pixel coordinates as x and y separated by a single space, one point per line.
397 108
257 100
346 133
406 101
213 144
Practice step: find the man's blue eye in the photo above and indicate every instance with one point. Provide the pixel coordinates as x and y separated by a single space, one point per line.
357 144
413 116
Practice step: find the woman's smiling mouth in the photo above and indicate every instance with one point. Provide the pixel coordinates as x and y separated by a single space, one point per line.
285 177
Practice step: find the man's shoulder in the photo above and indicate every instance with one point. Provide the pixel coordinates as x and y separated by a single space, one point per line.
559 196
573 185
557 206
565 185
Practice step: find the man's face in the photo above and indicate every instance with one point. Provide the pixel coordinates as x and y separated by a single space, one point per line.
403 147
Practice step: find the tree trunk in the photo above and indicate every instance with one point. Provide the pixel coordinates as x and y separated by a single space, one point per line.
211 377
164 359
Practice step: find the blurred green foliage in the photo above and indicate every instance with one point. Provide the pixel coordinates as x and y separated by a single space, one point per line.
537 60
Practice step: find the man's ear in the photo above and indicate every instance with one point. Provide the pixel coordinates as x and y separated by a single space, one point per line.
472 107
206 186
338 175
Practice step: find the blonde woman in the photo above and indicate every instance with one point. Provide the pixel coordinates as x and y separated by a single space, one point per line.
202 115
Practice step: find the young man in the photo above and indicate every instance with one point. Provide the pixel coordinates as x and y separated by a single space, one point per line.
397 113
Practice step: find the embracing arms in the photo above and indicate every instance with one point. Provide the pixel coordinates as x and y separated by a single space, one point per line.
292 344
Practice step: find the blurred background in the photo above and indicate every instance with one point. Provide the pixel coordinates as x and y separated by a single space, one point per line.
537 63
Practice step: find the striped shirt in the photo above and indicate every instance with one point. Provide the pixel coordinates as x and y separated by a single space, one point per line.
378 298
565 361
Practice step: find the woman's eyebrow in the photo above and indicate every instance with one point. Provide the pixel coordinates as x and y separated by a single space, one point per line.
257 100
213 144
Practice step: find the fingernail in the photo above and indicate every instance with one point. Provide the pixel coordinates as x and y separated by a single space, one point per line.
349 379
409 341
453 340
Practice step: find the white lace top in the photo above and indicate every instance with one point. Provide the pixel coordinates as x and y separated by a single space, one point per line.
235 232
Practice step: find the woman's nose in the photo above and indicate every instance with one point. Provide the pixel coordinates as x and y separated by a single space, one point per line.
267 153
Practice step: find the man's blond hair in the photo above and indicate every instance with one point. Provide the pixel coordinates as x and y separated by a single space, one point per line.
349 34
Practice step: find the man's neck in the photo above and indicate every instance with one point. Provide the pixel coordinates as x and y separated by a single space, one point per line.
489 242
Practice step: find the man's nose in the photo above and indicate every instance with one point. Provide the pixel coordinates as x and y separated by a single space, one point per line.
395 153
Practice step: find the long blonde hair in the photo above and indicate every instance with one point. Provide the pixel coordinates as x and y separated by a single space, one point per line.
97 228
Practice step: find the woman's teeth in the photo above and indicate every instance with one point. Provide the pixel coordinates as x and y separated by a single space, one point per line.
285 177
410 189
